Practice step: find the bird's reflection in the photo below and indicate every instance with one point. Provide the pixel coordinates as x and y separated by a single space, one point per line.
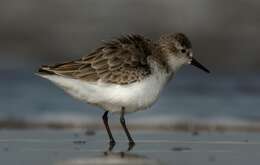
115 158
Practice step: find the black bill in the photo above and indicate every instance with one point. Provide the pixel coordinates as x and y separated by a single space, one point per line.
194 62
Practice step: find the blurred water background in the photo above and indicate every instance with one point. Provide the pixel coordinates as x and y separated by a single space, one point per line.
225 37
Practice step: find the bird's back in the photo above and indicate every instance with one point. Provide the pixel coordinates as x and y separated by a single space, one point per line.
121 61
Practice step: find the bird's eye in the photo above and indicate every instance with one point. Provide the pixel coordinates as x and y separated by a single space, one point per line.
183 50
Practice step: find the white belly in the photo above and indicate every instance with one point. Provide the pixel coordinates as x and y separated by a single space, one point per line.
112 97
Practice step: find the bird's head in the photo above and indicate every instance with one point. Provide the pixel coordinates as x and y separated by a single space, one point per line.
177 50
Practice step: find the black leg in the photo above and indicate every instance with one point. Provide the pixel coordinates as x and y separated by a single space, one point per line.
112 141
122 120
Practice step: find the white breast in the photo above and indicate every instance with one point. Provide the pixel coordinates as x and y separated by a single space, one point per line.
112 97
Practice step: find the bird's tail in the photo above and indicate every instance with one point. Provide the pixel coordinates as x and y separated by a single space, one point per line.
45 70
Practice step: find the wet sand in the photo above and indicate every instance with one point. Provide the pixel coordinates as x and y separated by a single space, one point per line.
80 147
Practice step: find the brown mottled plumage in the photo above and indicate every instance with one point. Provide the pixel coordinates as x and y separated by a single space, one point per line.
121 61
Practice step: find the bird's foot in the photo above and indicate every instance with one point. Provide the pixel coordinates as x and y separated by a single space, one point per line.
131 145
112 144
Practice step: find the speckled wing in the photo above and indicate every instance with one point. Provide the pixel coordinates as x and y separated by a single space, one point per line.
121 61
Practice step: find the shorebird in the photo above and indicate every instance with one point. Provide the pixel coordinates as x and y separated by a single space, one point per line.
123 75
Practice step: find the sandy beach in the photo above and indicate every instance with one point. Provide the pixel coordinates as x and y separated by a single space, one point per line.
81 147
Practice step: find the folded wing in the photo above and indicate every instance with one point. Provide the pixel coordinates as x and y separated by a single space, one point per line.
120 61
